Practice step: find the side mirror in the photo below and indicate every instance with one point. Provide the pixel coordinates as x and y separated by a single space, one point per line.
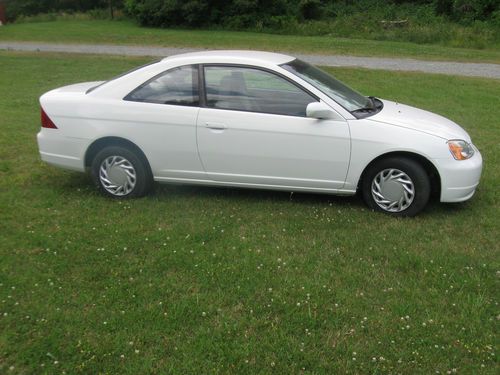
320 110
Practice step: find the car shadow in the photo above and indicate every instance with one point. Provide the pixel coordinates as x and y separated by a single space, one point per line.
81 183
78 184
257 195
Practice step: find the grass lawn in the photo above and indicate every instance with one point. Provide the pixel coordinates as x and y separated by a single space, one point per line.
126 32
215 280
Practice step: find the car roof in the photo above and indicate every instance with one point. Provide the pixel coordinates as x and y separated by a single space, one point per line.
230 56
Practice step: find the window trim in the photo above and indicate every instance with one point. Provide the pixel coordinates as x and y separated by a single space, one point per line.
267 70
195 67
201 86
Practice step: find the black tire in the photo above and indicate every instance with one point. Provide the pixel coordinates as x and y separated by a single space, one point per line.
413 170
143 177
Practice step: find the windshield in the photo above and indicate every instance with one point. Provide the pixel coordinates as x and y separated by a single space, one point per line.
342 94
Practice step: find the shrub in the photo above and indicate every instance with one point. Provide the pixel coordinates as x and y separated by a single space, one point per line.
196 13
27 8
310 9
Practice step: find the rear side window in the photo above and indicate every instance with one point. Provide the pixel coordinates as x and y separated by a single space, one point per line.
121 75
178 86
253 90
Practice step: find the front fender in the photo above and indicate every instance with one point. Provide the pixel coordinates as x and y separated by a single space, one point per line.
370 140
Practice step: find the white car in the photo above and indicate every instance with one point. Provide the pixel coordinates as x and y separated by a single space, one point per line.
258 120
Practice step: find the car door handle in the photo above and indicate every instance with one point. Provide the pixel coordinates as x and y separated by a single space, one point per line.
215 126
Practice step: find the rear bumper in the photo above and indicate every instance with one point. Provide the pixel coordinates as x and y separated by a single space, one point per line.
60 151
459 179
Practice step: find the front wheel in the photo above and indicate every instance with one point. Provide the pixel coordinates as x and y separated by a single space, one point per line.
120 173
396 186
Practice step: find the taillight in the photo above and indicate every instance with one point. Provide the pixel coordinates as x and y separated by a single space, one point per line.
46 121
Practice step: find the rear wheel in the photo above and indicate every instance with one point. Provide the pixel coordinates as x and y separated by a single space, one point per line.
396 186
120 173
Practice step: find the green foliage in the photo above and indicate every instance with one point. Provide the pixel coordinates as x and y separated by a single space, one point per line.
311 9
283 13
467 10
168 12
27 8
457 23
195 13
472 23
261 13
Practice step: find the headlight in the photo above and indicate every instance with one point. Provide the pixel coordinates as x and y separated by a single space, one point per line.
461 150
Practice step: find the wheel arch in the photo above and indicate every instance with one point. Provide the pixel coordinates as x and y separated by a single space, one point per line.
103 142
429 167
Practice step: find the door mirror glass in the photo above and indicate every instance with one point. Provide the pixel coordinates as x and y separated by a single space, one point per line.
321 111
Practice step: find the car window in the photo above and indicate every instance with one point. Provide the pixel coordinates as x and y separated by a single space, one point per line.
121 75
178 86
254 90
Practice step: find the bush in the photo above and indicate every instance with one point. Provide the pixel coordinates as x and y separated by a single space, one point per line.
472 10
27 8
461 23
196 13
310 9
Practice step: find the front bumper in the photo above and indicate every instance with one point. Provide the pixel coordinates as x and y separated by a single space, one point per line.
459 178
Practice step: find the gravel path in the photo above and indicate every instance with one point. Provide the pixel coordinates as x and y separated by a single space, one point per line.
441 67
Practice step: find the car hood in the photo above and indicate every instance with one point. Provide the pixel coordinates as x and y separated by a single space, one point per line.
417 119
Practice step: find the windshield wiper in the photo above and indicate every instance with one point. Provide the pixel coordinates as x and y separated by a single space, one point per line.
377 103
364 109
369 107
375 106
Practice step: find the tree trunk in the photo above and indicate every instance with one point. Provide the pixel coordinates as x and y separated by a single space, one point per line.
3 16
111 10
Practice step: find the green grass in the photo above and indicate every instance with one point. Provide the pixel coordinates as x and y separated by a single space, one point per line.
215 280
127 33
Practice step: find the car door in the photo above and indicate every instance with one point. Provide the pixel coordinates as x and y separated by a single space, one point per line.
253 129
160 116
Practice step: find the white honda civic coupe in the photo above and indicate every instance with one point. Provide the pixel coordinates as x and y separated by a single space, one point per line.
258 120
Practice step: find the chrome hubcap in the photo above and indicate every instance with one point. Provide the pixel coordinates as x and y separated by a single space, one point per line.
117 175
393 190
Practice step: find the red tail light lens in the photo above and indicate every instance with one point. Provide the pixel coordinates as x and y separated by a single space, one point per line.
46 121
